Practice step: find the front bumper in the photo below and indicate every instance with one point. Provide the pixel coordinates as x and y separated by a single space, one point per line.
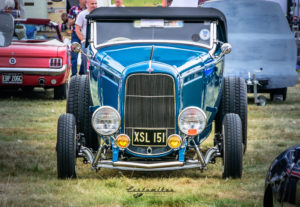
201 163
155 166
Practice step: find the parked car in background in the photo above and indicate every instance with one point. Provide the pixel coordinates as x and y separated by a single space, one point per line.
152 94
37 57
262 43
282 186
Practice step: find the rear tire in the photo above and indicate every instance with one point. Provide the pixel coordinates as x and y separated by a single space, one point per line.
234 100
232 146
66 146
60 92
73 99
84 114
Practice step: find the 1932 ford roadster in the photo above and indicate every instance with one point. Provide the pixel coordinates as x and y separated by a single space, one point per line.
154 88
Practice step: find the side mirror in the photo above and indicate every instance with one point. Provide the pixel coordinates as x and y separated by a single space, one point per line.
6 29
76 47
226 48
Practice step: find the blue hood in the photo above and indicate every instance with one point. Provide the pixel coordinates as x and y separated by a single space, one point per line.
121 57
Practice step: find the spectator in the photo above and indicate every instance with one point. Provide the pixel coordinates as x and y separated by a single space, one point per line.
73 13
19 6
169 2
118 3
64 24
80 30
9 7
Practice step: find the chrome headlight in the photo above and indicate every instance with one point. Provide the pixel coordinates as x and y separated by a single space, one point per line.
192 121
106 120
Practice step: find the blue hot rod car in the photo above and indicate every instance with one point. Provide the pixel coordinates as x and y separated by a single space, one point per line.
154 88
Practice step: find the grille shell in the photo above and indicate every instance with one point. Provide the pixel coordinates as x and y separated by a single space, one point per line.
150 103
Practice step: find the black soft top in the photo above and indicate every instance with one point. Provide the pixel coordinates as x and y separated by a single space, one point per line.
172 13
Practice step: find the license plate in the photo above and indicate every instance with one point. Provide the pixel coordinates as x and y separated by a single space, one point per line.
149 137
12 78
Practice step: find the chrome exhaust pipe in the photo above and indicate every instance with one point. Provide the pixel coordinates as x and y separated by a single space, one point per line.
42 81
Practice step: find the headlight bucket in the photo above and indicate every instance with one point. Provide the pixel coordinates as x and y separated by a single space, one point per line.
106 120
192 121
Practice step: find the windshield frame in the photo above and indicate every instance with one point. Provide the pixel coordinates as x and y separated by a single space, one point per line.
213 39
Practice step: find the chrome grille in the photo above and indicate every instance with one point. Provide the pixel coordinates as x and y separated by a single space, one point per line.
150 103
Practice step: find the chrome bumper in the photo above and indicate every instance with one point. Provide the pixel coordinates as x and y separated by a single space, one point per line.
97 163
35 71
139 166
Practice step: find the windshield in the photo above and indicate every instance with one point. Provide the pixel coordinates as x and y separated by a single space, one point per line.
25 32
174 30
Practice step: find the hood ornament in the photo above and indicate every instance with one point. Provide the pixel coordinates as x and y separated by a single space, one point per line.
150 69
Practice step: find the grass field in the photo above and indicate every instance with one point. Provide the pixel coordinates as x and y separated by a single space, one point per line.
28 161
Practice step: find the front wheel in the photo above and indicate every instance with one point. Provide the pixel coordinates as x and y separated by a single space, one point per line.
232 146
66 146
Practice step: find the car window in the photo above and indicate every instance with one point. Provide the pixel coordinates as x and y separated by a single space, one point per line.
197 32
34 32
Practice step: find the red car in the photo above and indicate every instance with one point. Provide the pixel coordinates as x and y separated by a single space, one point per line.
37 57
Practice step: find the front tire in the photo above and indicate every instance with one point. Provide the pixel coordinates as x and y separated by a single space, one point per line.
232 146
66 146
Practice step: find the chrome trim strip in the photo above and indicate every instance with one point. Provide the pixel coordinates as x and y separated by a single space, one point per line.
35 71
93 38
147 166
214 40
152 41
